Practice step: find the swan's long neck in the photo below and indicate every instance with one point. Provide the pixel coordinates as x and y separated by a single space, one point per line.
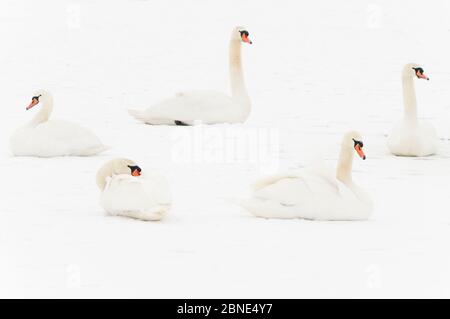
409 97
238 88
102 174
44 113
344 167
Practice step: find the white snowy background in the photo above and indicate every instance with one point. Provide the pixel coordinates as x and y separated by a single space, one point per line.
315 70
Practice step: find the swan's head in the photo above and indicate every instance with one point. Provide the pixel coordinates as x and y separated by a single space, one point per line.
117 166
40 96
241 34
414 70
353 140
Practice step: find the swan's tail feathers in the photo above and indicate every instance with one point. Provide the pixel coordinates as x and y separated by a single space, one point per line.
156 213
266 208
147 118
95 150
137 114
104 148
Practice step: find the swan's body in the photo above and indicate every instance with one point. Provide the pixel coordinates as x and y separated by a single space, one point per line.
144 197
42 137
314 193
207 107
411 137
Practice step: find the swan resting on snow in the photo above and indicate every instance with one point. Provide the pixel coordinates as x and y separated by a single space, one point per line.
207 107
128 191
42 137
411 137
314 193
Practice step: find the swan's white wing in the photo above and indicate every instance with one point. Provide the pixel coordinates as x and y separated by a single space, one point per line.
187 107
312 193
55 138
319 169
272 179
135 197
322 170
413 138
157 186
429 136
287 196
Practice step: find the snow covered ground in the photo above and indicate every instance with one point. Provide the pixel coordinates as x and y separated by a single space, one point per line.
315 70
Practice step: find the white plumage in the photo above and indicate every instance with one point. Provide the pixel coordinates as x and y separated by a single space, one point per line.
314 193
145 197
42 137
411 137
207 107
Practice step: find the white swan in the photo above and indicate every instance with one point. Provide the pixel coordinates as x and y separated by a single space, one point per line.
44 138
411 137
125 192
208 107
314 193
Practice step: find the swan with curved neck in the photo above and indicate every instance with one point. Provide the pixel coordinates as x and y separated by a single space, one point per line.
46 100
43 137
207 107
118 166
237 81
129 192
315 193
410 137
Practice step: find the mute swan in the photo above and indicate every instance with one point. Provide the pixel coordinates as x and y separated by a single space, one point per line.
125 192
411 137
44 138
209 107
314 193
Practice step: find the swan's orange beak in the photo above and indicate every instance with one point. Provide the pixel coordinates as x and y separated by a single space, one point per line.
246 39
422 76
33 103
136 172
360 152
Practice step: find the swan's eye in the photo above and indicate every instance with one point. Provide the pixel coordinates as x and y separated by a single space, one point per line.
36 98
358 143
244 36
244 33
134 168
418 70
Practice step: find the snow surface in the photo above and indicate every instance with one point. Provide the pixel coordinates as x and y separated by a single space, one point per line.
315 70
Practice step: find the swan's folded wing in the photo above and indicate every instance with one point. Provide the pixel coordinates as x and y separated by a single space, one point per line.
269 180
152 186
127 193
189 106
318 170
157 185
323 171
123 186
60 137
124 178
